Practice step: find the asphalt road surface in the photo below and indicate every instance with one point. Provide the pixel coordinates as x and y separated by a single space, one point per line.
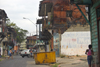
18 61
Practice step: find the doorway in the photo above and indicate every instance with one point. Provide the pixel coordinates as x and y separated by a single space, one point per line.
98 26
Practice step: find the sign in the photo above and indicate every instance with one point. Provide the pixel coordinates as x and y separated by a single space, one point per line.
48 23
56 43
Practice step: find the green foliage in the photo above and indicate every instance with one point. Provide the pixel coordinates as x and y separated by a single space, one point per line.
3 56
55 65
62 55
21 33
77 55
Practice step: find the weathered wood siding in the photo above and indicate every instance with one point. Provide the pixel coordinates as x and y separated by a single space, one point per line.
94 31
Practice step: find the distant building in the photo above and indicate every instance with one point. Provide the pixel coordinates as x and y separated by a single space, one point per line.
3 29
31 41
7 34
23 45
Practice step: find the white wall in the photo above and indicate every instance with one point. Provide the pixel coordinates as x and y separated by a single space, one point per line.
75 43
1 51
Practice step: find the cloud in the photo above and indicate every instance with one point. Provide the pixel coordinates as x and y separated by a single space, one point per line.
17 9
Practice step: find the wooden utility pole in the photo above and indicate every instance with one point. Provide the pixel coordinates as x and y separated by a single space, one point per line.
59 41
45 17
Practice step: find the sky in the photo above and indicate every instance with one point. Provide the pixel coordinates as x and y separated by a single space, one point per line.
17 9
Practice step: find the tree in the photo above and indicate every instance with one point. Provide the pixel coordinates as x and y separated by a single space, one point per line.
21 33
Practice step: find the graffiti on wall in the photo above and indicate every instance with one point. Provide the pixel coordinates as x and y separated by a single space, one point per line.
72 41
56 43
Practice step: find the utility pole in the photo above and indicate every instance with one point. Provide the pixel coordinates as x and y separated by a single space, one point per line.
32 22
45 17
59 42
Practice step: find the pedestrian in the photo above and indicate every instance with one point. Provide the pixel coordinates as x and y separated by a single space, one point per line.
0 52
17 52
89 52
5 53
10 54
31 52
13 51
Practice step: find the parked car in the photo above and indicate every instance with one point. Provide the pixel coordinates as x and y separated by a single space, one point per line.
20 51
25 52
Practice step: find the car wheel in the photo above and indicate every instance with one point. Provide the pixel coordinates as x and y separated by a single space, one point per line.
28 56
22 56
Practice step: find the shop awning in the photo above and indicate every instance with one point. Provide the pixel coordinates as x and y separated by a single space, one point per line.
46 35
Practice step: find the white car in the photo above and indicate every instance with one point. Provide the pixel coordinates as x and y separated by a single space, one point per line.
25 53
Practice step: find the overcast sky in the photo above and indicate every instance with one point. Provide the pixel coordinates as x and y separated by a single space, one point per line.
17 9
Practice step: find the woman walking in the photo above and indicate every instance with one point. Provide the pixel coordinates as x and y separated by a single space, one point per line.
89 52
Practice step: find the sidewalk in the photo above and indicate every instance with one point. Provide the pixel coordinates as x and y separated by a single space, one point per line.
72 62
3 58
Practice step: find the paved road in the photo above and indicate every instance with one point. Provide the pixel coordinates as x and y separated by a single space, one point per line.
18 61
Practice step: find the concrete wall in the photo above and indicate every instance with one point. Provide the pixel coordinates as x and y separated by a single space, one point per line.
75 40
78 27
75 43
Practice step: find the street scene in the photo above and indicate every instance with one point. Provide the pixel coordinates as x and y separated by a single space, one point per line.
18 61
50 33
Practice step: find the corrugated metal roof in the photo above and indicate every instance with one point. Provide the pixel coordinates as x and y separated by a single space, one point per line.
46 35
31 37
4 13
42 8
41 21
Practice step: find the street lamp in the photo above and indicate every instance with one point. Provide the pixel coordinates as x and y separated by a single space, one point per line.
32 22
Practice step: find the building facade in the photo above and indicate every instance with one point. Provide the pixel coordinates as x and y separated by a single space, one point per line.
94 18
95 31
75 40
58 21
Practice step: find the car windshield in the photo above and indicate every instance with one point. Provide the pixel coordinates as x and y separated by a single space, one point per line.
25 50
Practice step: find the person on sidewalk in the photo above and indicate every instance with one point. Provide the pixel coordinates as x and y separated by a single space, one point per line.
5 53
13 51
0 52
31 52
89 52
10 54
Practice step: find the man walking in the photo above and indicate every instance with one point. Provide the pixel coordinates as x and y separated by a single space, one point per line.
10 54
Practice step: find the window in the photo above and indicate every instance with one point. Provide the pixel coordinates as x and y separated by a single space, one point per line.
98 26
98 12
69 13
